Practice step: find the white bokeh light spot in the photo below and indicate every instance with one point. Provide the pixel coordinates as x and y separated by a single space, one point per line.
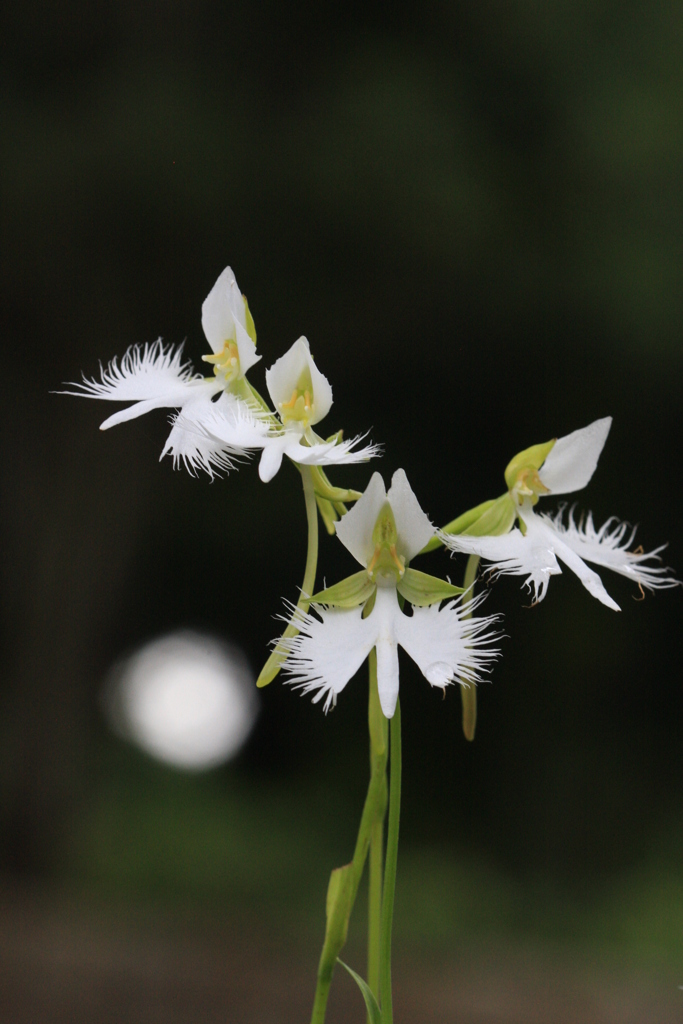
186 699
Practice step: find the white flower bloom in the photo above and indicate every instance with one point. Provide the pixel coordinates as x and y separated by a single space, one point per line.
534 549
229 328
221 420
302 397
154 376
300 392
383 531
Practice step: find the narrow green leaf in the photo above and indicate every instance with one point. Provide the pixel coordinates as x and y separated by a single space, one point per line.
374 1015
422 589
349 593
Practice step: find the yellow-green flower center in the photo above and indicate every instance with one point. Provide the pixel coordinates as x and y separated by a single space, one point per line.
226 363
301 405
386 565
527 485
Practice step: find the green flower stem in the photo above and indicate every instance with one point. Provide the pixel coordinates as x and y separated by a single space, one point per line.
390 868
274 663
308 585
336 937
469 692
375 903
373 811
378 750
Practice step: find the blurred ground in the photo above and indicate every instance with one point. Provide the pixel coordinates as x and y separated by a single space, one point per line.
68 960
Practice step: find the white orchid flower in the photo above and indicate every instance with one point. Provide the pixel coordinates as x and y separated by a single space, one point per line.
533 550
156 376
302 396
383 532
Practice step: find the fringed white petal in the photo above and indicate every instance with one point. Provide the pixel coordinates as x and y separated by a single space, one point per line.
144 372
236 423
588 577
512 554
533 555
355 528
331 453
326 453
573 458
447 647
413 525
195 450
328 651
333 643
214 435
194 442
152 376
608 546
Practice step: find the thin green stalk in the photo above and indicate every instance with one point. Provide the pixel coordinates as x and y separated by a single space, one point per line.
274 663
308 585
469 692
378 748
335 936
375 903
390 867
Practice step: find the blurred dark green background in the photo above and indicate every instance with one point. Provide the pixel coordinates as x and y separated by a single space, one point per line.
473 211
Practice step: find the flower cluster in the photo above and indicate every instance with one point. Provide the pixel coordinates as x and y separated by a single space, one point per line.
222 419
